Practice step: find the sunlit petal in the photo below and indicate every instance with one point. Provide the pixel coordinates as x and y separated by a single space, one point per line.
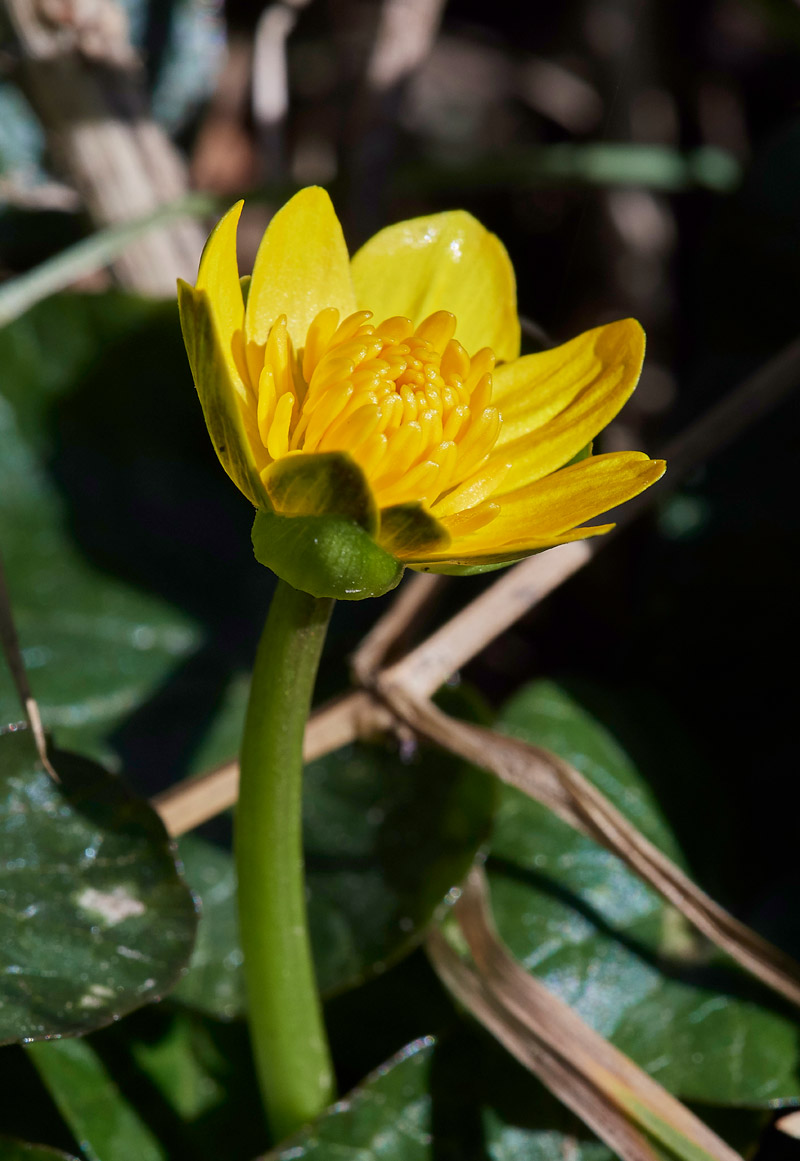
553 404
232 423
542 512
443 262
218 276
301 268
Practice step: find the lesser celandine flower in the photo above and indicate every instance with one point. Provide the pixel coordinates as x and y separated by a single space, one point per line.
378 415
377 411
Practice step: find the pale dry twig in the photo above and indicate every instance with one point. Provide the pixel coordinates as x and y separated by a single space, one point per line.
599 1083
555 783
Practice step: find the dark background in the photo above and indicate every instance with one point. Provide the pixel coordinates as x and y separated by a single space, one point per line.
636 158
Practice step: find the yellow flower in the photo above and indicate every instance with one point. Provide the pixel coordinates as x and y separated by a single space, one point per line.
377 412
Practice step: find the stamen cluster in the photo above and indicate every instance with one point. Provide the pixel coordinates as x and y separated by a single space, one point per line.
408 404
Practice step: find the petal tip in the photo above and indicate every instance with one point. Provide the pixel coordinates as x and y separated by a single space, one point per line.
307 196
626 332
218 263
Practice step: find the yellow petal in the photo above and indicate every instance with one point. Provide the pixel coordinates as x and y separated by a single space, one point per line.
581 491
301 268
554 403
219 277
443 262
473 491
542 512
460 555
231 420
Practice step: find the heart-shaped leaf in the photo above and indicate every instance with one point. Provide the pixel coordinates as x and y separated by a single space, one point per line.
94 918
630 965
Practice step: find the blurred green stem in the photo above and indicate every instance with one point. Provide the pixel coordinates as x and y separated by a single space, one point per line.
286 1026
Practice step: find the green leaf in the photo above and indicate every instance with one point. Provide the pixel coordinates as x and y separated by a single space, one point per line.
608 945
96 647
24 1151
326 556
94 919
457 1097
385 842
107 1126
179 1066
389 1116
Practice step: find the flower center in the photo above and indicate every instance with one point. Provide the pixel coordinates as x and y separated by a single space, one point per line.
408 404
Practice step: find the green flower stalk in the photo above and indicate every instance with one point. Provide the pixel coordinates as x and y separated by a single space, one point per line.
288 1035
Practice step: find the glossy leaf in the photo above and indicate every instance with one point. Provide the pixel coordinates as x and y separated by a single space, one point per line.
215 981
389 1115
94 918
458 1097
609 946
379 863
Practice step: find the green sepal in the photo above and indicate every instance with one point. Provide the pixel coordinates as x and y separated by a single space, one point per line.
322 484
408 529
326 556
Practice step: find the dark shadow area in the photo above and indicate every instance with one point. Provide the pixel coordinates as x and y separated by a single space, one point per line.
479 1090
369 1025
32 1114
216 1097
132 461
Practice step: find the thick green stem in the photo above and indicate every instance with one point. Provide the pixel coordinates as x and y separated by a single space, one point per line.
286 1027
